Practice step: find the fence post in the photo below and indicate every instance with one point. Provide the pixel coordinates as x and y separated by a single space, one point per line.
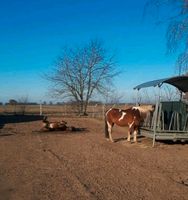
40 108
103 111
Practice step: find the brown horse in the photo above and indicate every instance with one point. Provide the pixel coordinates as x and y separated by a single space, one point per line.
52 126
131 117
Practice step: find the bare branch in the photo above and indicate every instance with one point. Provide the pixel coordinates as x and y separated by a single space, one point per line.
175 14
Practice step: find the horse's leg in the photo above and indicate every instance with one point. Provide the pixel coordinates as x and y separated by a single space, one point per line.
129 135
135 135
130 129
106 130
110 131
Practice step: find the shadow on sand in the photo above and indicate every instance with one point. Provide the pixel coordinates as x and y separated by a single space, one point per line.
72 130
144 140
171 142
125 139
7 119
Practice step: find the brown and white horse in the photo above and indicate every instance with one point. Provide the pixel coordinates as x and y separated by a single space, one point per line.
131 117
52 126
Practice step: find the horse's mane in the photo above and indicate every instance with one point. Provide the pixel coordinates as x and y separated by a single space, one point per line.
144 109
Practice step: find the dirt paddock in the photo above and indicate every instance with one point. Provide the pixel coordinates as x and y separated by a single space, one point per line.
83 165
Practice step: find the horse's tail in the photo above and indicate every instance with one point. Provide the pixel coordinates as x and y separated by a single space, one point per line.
106 129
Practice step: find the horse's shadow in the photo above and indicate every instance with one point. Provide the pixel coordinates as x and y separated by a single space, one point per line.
120 139
69 130
144 140
124 139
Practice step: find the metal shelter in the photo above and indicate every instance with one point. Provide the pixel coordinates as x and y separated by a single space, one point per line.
180 82
169 121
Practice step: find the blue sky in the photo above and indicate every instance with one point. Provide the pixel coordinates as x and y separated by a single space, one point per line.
33 33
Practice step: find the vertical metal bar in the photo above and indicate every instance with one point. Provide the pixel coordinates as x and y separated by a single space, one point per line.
178 122
159 115
156 116
171 120
137 97
155 122
163 125
185 125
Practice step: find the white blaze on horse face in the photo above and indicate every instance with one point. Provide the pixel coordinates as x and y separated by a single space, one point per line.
122 116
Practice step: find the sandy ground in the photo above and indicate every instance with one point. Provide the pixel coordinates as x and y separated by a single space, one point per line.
83 165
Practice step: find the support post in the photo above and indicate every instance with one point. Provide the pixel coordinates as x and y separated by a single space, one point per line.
155 122
156 113
103 111
40 109
137 98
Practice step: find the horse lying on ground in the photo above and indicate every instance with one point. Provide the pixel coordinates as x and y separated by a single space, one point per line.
58 126
53 125
131 117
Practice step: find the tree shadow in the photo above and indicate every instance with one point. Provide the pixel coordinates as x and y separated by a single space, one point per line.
171 142
7 119
69 130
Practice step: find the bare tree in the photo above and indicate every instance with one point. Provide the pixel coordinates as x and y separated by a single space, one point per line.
81 72
22 102
113 97
13 103
175 14
169 93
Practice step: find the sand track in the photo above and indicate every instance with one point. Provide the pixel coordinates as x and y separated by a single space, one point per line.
83 165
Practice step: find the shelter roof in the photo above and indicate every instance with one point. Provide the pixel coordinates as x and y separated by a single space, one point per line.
180 82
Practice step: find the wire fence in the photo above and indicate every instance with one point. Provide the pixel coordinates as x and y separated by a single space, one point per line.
94 111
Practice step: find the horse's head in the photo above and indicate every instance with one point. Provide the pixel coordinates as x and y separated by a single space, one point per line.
45 119
45 122
63 122
150 108
145 108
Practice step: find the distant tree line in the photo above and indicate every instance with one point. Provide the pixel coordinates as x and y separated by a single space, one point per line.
15 102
